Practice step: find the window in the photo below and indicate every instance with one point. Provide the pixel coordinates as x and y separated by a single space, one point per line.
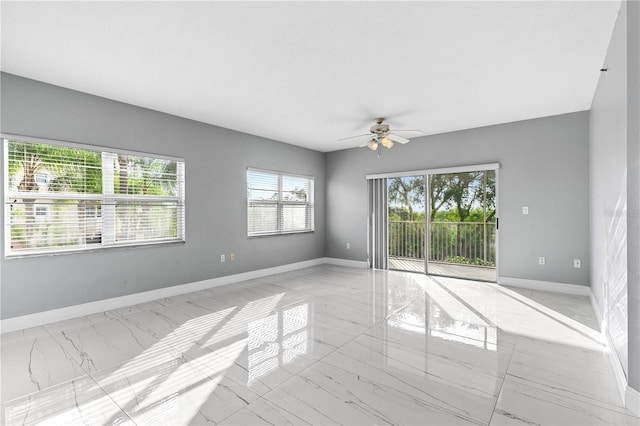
278 203
61 197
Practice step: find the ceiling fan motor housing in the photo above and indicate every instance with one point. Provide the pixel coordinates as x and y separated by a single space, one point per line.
380 129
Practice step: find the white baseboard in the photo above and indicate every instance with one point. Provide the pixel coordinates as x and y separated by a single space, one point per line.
596 310
47 317
632 401
579 290
630 397
345 262
616 366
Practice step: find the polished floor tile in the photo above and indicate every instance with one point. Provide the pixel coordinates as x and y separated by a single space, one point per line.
32 361
98 346
522 403
321 345
326 394
580 371
439 397
77 402
169 388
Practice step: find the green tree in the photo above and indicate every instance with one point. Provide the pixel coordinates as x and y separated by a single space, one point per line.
490 204
439 193
146 176
70 170
406 236
459 198
464 190
406 191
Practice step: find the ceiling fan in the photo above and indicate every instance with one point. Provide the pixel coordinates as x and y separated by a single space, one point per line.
381 135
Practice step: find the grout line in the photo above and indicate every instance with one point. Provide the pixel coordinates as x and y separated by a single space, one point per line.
504 378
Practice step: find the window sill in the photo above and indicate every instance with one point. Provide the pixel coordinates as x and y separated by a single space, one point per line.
280 234
93 249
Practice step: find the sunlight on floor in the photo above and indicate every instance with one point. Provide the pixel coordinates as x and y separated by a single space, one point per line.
467 308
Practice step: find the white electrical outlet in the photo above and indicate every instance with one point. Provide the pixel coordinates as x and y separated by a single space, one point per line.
222 258
525 210
348 246
542 260
577 263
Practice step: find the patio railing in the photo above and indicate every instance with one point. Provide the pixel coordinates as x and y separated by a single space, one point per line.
471 243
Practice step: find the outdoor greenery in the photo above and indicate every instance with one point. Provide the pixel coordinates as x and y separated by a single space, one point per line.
72 169
461 217
68 170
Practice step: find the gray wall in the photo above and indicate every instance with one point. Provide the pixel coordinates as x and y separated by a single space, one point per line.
633 189
608 148
615 191
216 160
544 165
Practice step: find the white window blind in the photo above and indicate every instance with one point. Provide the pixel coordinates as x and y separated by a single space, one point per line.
278 203
92 198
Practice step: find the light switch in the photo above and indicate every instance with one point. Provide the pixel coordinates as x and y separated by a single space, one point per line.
525 209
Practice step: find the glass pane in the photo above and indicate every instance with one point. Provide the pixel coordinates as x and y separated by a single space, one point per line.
406 198
145 176
42 168
262 218
490 176
458 197
262 186
406 223
65 224
295 188
462 224
143 221
295 218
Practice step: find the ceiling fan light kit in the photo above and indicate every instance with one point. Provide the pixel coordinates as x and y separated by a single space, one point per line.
381 135
386 142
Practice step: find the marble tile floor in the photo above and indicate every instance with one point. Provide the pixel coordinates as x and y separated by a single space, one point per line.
322 345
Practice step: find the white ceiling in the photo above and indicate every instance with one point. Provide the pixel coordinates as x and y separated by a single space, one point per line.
310 73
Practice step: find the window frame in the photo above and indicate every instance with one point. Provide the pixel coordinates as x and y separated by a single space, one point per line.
280 203
104 198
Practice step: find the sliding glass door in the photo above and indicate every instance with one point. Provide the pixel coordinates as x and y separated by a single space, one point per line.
443 224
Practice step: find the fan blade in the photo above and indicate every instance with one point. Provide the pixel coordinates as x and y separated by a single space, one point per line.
396 138
408 133
368 135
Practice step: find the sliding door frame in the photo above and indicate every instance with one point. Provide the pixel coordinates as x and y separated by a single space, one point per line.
448 170
438 171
